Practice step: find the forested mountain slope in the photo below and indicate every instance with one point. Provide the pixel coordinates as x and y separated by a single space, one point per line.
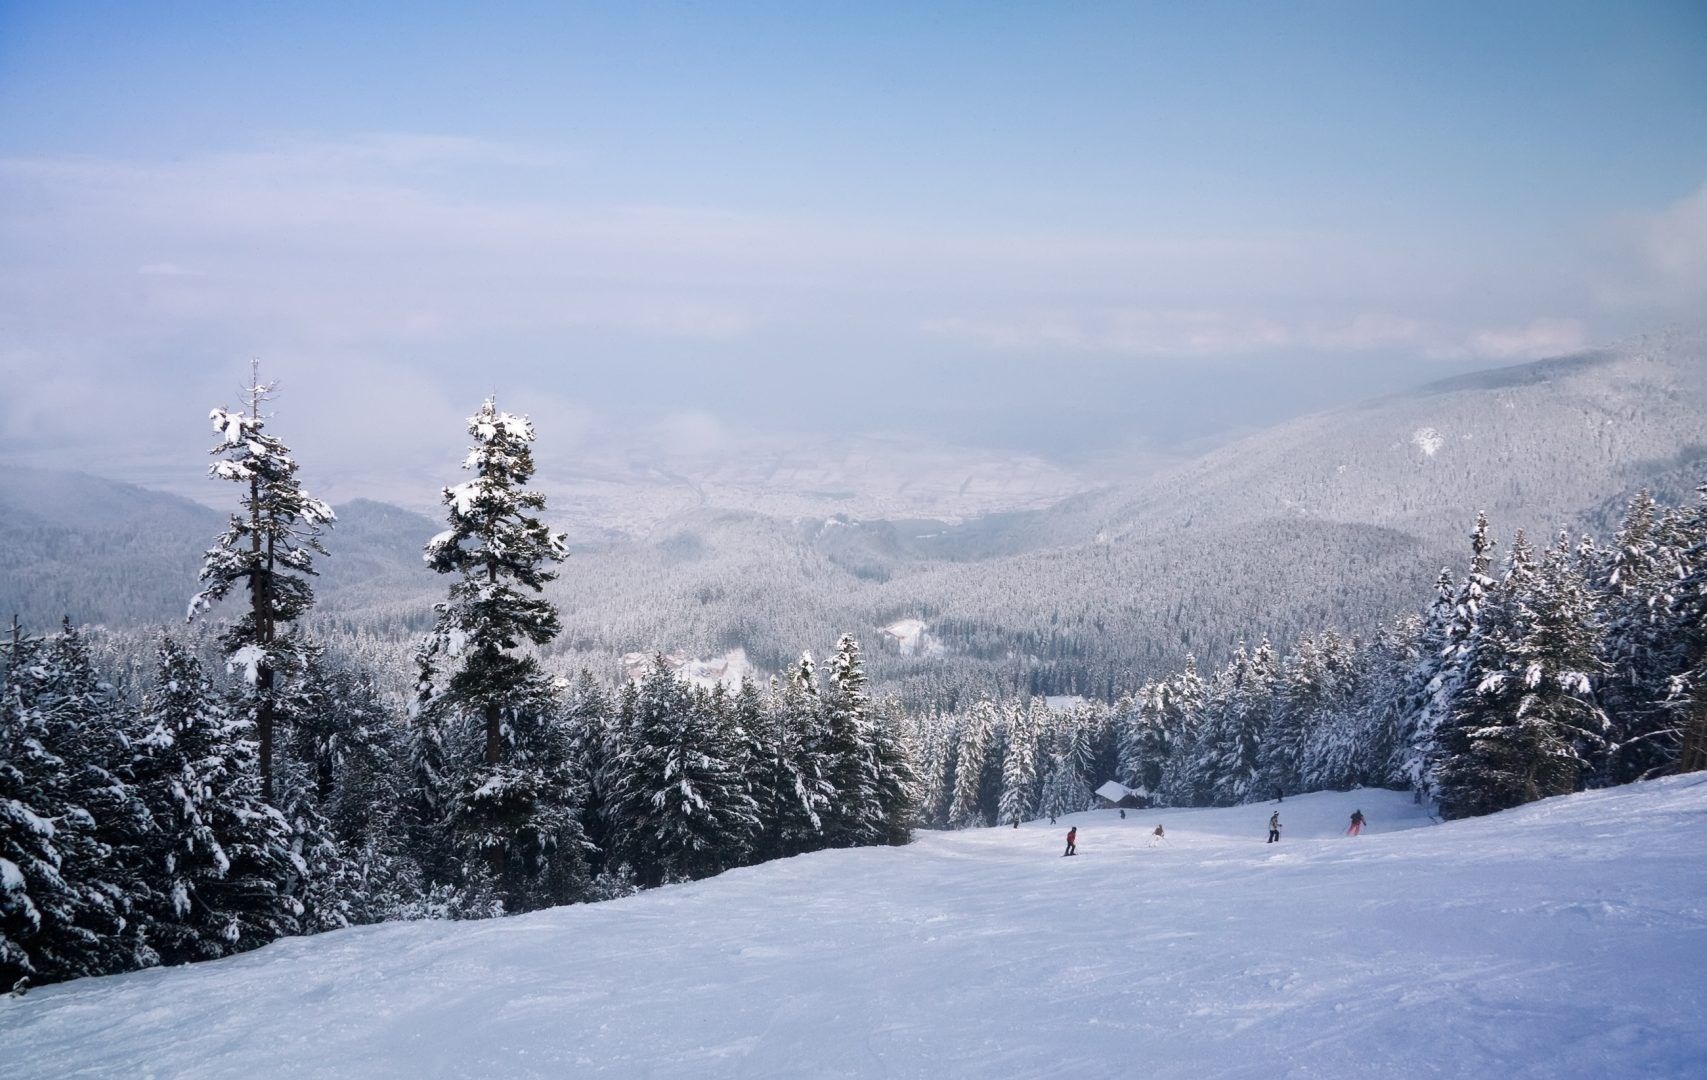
1335 519
1338 519
96 550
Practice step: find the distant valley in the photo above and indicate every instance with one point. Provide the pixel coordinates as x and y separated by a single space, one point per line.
1338 519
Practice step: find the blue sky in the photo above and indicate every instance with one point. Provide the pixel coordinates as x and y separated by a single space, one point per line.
719 208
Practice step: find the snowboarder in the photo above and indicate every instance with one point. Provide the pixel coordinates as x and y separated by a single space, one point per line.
1072 841
1356 823
1158 837
1274 827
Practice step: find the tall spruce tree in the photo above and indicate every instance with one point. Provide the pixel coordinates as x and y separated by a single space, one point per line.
491 721
855 817
1019 771
268 550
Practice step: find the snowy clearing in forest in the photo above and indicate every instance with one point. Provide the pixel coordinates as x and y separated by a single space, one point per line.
1565 939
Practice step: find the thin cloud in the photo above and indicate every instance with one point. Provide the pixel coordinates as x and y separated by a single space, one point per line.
1533 341
1142 333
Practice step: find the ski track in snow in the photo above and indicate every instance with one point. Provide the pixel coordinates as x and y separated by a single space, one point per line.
1565 939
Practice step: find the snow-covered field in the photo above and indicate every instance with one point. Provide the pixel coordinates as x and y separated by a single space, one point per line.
1566 939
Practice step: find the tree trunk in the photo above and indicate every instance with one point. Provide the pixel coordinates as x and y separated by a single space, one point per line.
494 736
264 729
495 756
324 780
263 637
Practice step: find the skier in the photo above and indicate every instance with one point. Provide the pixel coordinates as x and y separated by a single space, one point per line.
1158 837
1072 841
1279 796
1274 827
1356 823
1122 815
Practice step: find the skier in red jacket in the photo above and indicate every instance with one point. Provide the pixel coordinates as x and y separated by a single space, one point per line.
1072 841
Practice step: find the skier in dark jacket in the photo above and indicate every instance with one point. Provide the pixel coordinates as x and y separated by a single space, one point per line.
1072 841
1356 823
1274 827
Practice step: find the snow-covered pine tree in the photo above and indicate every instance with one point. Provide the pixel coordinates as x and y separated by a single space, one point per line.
268 550
1639 579
972 759
897 775
1083 731
1236 715
220 854
595 755
1019 771
1182 715
358 744
52 924
1297 708
686 810
855 816
784 778
1421 697
88 728
1129 723
1451 678
1063 788
502 782
1529 727
1687 698
800 793
935 738
1362 732
1464 782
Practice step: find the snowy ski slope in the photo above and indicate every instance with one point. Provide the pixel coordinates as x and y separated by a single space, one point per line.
1566 939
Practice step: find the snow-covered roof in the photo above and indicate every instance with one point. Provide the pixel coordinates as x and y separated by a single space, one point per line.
1114 791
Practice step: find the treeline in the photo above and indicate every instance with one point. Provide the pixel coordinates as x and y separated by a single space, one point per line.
1575 666
201 814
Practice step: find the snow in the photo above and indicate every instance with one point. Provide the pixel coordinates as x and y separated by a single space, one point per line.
1561 940
1428 440
727 670
912 637
1113 791
248 660
33 821
11 878
463 496
1063 702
